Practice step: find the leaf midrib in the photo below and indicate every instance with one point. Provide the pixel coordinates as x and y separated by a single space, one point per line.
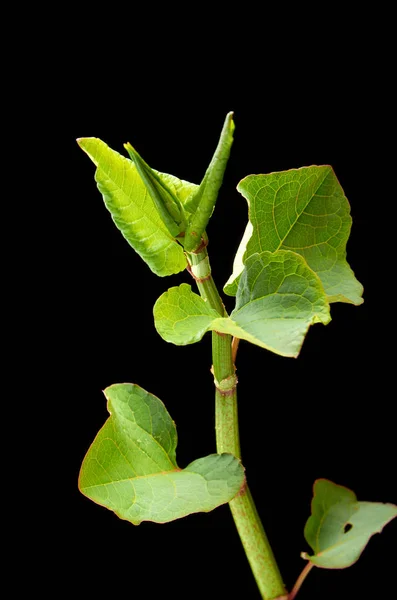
324 516
328 170
119 417
149 475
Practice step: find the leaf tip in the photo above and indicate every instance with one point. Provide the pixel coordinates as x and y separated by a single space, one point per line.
229 125
325 481
131 151
81 142
85 144
393 507
319 481
240 185
229 117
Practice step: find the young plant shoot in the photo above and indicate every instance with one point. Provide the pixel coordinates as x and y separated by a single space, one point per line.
290 267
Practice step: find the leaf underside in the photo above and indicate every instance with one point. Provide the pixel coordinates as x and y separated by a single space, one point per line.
340 527
131 466
304 211
134 211
278 298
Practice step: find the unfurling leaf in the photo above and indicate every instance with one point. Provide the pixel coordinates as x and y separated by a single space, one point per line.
131 466
167 204
133 209
340 527
278 298
305 211
201 203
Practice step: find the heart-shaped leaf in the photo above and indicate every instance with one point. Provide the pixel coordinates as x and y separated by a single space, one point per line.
340 527
305 211
131 466
278 298
133 209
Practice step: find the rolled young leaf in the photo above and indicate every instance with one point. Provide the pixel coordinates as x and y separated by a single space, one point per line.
278 298
133 210
340 527
168 205
305 211
131 466
201 203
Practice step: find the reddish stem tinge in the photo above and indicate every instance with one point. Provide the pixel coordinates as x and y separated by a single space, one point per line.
235 343
300 580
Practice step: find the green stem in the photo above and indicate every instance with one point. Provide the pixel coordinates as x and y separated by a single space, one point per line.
245 515
200 269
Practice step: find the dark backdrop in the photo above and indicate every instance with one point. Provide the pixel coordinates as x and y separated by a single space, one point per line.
326 414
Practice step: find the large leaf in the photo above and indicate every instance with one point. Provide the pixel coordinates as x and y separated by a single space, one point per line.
278 298
133 209
131 466
201 203
305 211
340 527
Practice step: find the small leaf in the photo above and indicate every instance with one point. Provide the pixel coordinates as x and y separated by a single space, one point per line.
131 467
166 203
133 209
278 299
305 211
181 316
340 527
201 203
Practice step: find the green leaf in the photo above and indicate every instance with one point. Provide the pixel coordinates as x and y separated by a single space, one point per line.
166 202
183 190
131 467
181 316
305 211
278 298
133 210
340 527
201 204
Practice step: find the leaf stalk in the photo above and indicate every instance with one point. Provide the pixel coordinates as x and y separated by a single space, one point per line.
300 580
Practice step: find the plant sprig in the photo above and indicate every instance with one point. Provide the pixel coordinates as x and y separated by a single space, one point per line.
290 266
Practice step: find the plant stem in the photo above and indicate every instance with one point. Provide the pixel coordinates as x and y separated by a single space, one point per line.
245 515
300 580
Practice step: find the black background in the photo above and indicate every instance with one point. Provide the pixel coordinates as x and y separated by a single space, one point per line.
326 414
